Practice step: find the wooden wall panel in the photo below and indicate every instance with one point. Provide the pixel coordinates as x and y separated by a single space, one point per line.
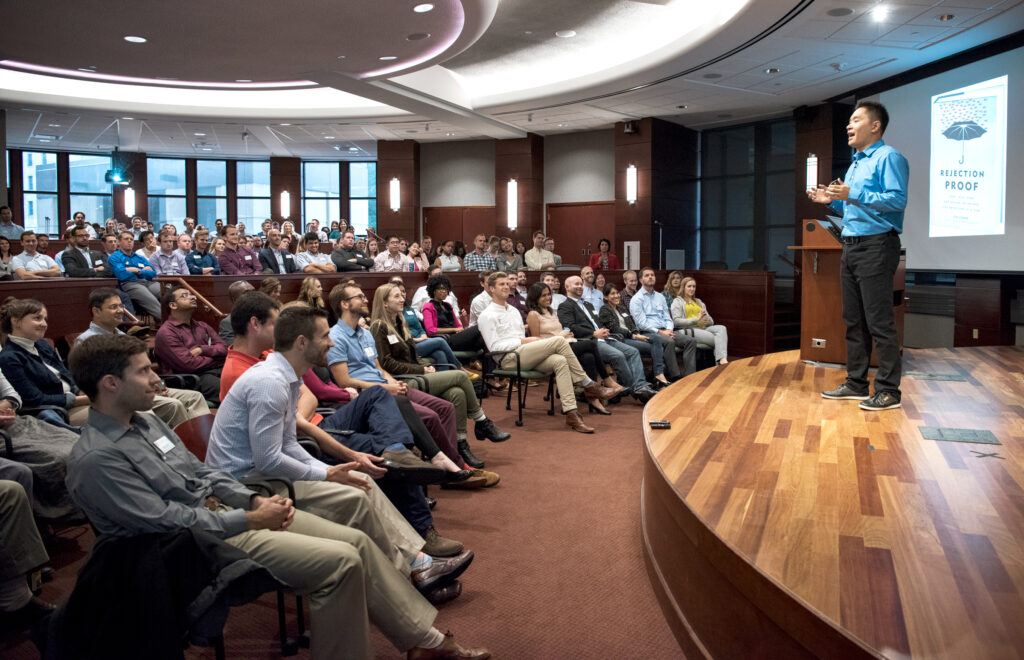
286 175
401 160
521 159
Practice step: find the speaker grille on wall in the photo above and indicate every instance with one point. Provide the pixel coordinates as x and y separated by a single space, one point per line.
630 127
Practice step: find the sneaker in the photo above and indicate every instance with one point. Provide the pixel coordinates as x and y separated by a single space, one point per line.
438 546
882 401
844 391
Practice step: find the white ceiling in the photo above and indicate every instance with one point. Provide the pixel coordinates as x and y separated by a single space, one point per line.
484 69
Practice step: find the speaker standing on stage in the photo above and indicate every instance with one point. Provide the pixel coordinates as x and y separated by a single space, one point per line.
872 200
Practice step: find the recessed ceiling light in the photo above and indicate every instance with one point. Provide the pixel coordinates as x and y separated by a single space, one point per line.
284 124
770 70
423 8
387 58
839 11
528 32
945 17
417 36
328 137
561 125
341 57
712 76
450 134
128 118
44 139
681 107
87 69
199 134
880 13
243 80
353 148
135 40
54 125
566 34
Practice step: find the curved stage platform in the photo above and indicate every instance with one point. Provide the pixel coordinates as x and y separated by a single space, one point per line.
778 524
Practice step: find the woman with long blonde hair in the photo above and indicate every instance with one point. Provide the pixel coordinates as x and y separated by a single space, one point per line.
690 314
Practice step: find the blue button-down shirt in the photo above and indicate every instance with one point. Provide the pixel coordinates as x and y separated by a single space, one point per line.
196 262
878 179
12 231
255 425
356 348
649 311
119 262
594 297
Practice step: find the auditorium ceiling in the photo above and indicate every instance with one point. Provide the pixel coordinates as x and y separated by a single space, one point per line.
327 79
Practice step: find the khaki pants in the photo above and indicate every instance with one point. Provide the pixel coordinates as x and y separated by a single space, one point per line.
178 406
349 582
21 548
551 355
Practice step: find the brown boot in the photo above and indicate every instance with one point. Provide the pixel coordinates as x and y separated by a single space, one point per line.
574 421
597 391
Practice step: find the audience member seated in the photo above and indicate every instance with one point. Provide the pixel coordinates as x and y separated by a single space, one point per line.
34 369
135 276
8 229
172 405
447 260
542 321
6 271
549 245
507 260
537 258
616 318
150 245
236 258
652 317
502 330
21 552
167 260
435 348
189 225
690 315
272 287
419 259
349 257
274 258
673 287
392 260
183 241
310 259
397 353
41 450
31 264
235 291
517 296
604 258
80 261
580 317
590 293
553 283
480 301
201 260
128 489
311 292
439 318
630 285
421 296
187 346
427 245
479 259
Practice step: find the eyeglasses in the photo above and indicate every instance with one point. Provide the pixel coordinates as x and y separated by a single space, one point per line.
361 295
185 295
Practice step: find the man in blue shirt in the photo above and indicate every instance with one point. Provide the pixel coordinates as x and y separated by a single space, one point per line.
199 260
650 313
135 276
872 200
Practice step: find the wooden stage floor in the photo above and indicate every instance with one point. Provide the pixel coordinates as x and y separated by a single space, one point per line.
780 524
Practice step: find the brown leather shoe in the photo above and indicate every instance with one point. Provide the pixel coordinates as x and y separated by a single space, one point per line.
442 571
574 421
448 650
597 391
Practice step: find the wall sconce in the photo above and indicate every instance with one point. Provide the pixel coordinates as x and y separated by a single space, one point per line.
129 202
286 204
513 204
812 171
631 184
396 194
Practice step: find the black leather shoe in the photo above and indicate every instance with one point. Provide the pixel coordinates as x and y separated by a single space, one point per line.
441 595
467 455
486 430
441 571
431 502
643 394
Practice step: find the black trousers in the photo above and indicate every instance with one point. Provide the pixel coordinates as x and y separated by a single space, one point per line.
866 270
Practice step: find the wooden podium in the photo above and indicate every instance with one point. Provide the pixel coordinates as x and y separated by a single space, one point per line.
822 331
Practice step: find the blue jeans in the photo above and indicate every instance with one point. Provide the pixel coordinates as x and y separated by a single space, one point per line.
376 420
625 360
662 351
438 350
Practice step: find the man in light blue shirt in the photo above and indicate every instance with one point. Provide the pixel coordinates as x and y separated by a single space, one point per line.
8 229
650 313
30 264
590 293
872 200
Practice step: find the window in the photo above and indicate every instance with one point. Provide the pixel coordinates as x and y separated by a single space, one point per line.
746 195
90 193
362 196
253 193
39 180
166 187
212 192
321 193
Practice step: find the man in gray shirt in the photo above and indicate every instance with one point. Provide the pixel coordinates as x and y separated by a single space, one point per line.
131 474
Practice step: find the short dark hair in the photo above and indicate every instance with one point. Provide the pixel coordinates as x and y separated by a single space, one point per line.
99 296
144 235
27 232
338 294
311 236
77 229
876 111
645 269
100 355
437 281
123 232
608 288
248 305
484 274
294 322
604 240
171 294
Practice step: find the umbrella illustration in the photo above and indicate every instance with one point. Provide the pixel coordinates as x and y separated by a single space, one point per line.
963 131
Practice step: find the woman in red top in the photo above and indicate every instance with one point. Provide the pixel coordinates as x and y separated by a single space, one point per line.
604 259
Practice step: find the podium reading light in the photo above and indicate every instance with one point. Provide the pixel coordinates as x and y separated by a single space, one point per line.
631 184
513 204
396 194
286 204
129 202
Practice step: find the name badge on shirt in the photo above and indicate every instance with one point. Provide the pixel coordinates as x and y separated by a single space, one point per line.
163 444
392 339
368 350
248 257
99 262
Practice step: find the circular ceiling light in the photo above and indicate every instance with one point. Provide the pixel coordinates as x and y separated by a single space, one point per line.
387 58
945 17
770 70
135 40
839 11
423 8
712 76
417 36
566 34
880 13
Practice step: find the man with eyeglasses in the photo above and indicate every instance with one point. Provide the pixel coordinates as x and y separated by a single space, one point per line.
392 261
187 346
172 405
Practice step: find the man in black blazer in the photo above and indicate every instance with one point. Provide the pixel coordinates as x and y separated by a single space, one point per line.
275 258
347 257
579 316
80 261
